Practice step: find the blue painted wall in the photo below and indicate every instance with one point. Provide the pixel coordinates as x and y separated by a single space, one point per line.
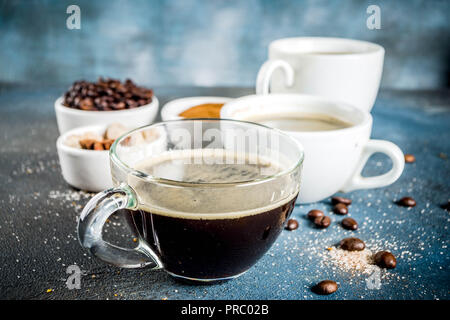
212 43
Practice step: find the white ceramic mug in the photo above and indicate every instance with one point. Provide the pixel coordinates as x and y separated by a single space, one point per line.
333 159
340 69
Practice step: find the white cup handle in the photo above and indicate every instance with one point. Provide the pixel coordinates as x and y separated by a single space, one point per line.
371 147
266 71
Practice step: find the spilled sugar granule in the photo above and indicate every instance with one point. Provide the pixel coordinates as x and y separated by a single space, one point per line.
71 198
355 262
69 195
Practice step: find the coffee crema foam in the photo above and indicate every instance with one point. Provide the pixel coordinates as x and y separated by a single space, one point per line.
201 184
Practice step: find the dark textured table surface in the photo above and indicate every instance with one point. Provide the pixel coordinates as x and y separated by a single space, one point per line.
38 213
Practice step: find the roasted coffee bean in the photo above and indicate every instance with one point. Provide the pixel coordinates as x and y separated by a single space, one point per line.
325 287
322 222
409 158
292 224
406 202
352 244
446 206
349 224
128 95
336 200
385 259
340 208
103 105
131 103
86 104
314 214
120 105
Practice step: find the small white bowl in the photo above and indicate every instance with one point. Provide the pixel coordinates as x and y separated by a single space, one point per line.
172 109
70 118
87 170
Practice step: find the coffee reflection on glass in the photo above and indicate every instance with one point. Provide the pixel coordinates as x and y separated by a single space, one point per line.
207 198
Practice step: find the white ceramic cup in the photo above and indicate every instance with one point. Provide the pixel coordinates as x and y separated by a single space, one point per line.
333 159
340 69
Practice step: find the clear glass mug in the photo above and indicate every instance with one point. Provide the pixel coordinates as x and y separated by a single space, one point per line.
206 198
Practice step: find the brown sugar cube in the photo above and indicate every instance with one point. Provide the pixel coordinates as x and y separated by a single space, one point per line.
98 145
87 144
107 143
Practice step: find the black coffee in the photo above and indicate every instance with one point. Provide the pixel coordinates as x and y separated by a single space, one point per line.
211 249
204 232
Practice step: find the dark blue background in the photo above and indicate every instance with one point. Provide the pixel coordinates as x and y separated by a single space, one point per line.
212 43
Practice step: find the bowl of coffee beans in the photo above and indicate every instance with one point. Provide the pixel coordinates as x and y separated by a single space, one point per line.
103 102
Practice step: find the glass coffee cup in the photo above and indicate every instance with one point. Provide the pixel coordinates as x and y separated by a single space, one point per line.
206 198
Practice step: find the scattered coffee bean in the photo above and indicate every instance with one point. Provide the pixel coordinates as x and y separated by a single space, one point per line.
292 224
314 214
322 222
336 200
325 287
349 224
409 158
385 259
446 206
352 244
406 202
340 208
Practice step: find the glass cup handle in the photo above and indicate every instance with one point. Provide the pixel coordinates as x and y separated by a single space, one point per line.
372 146
90 225
266 71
